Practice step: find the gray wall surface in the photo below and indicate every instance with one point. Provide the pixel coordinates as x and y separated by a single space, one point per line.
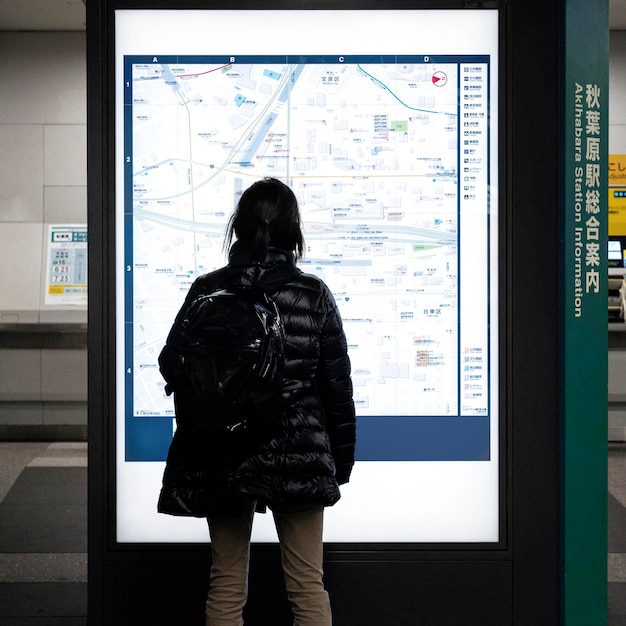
43 180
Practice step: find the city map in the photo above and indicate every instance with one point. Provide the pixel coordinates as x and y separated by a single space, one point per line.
385 156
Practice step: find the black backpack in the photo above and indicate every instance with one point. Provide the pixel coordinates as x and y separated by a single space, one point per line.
232 358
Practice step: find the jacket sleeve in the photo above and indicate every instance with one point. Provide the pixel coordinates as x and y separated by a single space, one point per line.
170 357
335 389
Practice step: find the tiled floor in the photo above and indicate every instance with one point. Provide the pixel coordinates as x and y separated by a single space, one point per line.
43 534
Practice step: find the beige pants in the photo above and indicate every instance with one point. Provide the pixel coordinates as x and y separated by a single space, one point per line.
300 536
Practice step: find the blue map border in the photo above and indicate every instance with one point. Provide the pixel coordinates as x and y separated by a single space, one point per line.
379 438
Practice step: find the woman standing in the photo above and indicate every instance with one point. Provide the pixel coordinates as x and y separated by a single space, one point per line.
297 470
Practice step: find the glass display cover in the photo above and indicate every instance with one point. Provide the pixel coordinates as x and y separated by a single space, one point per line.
390 143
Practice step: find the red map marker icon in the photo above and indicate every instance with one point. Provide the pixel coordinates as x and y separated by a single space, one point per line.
439 79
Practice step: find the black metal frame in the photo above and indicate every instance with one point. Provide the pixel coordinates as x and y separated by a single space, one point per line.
512 582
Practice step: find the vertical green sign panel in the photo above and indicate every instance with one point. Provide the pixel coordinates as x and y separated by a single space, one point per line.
585 318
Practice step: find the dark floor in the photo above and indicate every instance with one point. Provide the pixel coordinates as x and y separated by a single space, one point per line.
43 534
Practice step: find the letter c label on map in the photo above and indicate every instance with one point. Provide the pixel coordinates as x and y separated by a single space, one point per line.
341 59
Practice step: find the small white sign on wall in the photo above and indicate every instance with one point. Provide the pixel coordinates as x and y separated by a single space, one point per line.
66 258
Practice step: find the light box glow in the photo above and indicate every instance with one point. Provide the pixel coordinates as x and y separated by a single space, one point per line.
391 146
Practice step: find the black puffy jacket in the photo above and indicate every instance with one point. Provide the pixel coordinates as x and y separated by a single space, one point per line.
312 452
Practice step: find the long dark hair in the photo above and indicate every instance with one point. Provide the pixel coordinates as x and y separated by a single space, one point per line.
267 215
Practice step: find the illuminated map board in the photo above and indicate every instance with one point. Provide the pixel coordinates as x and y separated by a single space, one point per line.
392 153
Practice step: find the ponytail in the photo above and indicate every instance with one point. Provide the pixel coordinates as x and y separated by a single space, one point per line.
267 215
261 241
